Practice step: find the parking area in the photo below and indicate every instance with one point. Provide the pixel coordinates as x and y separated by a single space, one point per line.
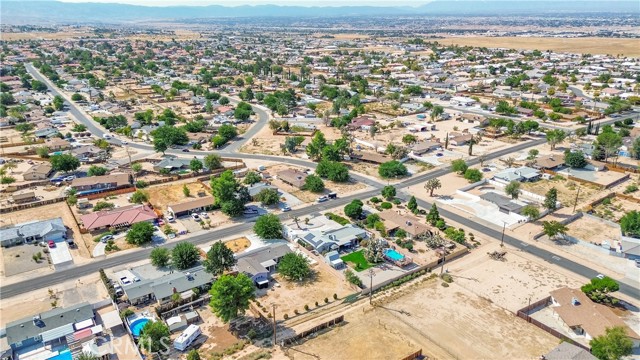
60 255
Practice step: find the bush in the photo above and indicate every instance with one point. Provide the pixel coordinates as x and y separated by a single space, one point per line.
386 205
444 284
326 300
375 200
631 188
397 201
447 278
337 218
140 184
306 307
473 175
285 316
335 296
392 169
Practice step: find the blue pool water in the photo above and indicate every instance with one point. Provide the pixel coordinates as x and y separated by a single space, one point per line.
63 355
137 325
393 255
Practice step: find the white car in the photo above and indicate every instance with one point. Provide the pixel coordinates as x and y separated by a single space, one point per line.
170 218
204 215
195 217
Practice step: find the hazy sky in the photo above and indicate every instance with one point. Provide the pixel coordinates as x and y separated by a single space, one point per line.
259 2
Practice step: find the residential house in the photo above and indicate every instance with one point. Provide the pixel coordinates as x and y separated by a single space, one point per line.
40 171
293 177
163 288
395 220
568 351
170 163
344 237
361 123
550 162
23 197
260 263
425 146
92 184
118 218
44 331
522 174
333 258
585 319
57 144
190 206
45 133
458 139
88 153
255 189
52 229
369 157
504 203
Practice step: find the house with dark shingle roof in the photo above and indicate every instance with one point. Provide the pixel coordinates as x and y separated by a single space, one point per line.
258 264
34 231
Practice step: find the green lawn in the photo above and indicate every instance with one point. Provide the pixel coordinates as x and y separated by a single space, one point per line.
358 261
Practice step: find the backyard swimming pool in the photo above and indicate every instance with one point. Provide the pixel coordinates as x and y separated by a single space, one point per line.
393 255
62 355
137 325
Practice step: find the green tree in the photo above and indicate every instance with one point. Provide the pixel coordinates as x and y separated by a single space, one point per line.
555 137
77 97
195 165
136 168
314 184
243 110
102 205
551 199
219 259
139 197
268 196
58 102
554 228
252 178
268 227
96 170
433 215
436 111
635 148
354 209
43 152
230 296
389 192
531 212
228 131
459 166
409 139
24 127
615 344
155 337
64 162
412 204
316 146
333 171
598 289
224 187
473 175
575 159
294 267
432 184
224 101
193 355
160 257
503 107
184 255
513 189
72 200
213 161
392 169
630 224
140 233
186 191
610 143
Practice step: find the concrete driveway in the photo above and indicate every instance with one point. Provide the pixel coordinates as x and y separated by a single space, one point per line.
99 249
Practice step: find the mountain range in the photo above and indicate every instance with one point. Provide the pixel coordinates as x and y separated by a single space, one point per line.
25 11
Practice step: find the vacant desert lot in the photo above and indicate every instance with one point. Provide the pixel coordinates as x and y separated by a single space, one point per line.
164 195
591 45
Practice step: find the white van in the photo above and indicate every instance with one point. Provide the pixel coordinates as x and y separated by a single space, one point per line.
107 136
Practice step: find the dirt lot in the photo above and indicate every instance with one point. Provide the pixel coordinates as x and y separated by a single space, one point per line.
615 208
264 142
18 259
290 296
219 336
628 47
163 195
567 190
238 245
593 231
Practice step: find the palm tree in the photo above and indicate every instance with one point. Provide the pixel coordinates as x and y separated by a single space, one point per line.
86 356
474 140
296 220
510 161
10 166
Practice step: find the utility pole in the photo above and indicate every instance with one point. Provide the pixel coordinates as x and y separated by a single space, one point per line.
371 275
575 203
274 324
504 225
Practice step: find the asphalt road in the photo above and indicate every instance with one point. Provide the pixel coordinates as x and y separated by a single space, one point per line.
133 256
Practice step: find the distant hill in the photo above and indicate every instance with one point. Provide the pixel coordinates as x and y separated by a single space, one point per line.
25 11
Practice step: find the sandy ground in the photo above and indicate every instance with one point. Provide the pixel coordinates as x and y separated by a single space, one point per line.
264 142
567 190
219 337
593 231
238 245
617 209
164 195
628 47
290 296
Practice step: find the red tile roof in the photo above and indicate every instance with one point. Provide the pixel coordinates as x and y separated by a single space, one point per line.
127 215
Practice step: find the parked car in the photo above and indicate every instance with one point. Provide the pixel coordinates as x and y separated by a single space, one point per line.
70 178
51 243
322 199
600 276
250 211
124 142
118 289
106 238
204 215
333 195
125 281
285 207
185 150
195 217
169 218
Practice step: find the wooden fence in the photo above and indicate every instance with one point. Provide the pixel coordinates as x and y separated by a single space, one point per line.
8 145
294 338
4 210
123 190
415 355
524 314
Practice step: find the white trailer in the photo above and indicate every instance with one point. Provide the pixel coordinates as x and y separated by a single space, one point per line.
187 337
